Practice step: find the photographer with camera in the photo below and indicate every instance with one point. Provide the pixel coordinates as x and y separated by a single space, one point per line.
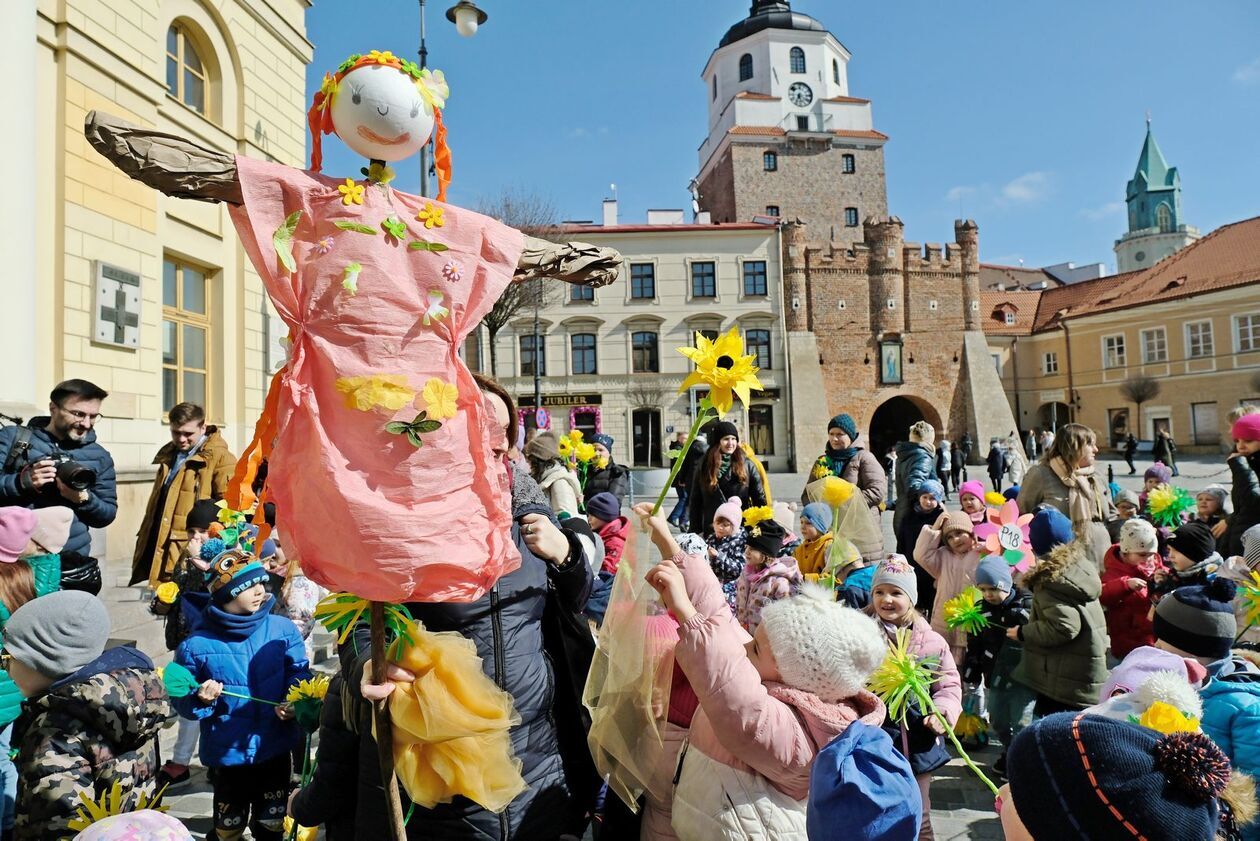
56 460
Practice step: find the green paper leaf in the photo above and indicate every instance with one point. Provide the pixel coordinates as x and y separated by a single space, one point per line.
428 426
356 227
282 240
397 428
394 228
414 438
422 245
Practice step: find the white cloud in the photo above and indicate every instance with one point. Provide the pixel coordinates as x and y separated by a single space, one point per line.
578 132
1029 187
1106 211
1248 74
958 193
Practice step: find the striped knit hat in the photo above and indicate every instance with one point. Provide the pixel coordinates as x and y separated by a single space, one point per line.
1199 620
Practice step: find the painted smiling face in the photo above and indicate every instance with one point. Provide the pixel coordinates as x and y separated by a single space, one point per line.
380 114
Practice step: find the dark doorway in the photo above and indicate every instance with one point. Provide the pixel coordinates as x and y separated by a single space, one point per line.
646 424
1051 416
891 424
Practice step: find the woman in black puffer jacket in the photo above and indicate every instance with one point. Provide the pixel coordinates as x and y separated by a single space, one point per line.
724 473
507 627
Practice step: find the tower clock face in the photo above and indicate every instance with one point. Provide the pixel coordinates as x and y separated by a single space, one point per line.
800 95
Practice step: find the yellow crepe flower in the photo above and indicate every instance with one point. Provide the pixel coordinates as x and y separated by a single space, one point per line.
1250 595
387 391
994 498
167 593
722 366
313 689
585 452
566 448
575 435
351 193
836 491
379 173
439 398
601 462
753 516
111 803
431 216
1165 718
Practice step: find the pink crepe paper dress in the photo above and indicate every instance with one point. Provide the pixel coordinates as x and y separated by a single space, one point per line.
368 511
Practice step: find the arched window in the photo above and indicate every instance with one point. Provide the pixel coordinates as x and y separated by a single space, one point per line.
797 60
186 77
745 67
835 71
1163 218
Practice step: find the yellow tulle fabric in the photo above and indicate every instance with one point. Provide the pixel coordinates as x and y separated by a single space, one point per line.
451 726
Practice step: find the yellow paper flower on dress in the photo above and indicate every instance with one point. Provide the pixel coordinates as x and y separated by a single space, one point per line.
724 368
381 57
1165 718
836 491
167 593
386 391
379 173
433 89
351 193
439 399
431 216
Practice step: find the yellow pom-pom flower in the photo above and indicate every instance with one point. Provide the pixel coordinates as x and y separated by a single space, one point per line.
753 516
994 498
167 593
836 491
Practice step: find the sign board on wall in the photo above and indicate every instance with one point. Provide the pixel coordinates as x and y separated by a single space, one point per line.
116 311
560 401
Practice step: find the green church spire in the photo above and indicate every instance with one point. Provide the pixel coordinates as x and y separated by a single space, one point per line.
1154 194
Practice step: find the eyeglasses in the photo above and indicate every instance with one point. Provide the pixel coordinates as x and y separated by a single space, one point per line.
81 416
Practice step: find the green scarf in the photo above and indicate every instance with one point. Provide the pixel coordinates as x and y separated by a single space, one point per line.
724 469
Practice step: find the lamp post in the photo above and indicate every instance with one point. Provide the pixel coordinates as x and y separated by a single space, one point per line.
537 356
467 18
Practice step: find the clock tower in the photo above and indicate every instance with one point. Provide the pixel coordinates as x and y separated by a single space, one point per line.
785 136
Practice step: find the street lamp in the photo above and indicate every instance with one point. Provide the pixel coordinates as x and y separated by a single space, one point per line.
466 17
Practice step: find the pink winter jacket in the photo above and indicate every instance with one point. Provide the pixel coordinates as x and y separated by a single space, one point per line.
767 729
953 574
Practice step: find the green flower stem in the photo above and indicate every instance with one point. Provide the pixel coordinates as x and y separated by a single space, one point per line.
702 417
927 701
250 698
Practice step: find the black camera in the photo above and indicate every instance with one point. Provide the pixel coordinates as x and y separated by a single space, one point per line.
72 473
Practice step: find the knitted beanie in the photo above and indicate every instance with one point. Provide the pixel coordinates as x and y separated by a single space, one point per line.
994 571
732 511
1251 546
767 537
820 645
1194 540
1159 472
1199 620
783 515
1138 537
845 424
598 438
931 486
58 634
974 487
544 447
202 514
1246 428
605 506
957 521
16 525
719 430
818 515
52 528
923 432
1141 663
1129 497
1049 528
1220 492
232 573
1081 775
896 571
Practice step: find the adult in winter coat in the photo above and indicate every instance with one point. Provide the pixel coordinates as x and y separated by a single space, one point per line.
682 483
1231 714
915 465
507 626
1065 479
944 465
724 473
956 463
30 478
1244 467
1130 450
195 465
612 478
859 466
1165 449
997 465
329 799
1065 640
551 474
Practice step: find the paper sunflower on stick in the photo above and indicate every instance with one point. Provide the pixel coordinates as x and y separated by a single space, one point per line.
903 681
728 372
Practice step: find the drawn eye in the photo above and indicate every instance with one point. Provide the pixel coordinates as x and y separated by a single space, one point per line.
415 110
355 97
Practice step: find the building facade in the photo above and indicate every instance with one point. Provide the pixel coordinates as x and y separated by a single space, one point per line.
1153 198
150 297
607 357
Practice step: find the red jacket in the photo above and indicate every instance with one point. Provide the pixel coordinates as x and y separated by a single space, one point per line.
1127 610
614 536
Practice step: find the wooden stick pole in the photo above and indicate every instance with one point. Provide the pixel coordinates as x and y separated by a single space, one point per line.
384 728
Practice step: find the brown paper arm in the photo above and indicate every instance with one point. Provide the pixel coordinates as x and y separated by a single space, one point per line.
572 262
166 162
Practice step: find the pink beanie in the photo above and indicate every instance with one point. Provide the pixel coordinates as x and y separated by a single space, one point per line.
16 526
732 511
974 487
1246 428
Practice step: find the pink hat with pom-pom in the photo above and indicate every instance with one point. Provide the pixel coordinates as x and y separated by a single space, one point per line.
16 526
732 511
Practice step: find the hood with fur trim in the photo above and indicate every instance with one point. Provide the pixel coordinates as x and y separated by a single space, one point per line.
1068 571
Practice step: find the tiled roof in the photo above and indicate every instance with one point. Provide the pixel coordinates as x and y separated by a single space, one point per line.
864 135
993 307
772 130
1072 299
847 99
755 95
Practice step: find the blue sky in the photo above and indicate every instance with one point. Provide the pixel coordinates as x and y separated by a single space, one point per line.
1027 117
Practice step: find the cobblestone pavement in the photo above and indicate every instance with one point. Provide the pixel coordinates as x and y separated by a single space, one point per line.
962 806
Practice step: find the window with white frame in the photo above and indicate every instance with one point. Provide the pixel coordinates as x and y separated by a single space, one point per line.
1113 352
1199 341
1154 345
757 343
796 60
582 348
1050 362
1247 328
1009 317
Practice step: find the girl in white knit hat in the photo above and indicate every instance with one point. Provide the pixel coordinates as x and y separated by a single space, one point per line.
777 699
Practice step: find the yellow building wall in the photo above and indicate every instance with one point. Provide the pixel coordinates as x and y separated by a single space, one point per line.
110 55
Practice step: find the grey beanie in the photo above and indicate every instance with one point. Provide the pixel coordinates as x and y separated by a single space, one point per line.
58 634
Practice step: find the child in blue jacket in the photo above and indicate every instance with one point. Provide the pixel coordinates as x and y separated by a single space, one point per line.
237 644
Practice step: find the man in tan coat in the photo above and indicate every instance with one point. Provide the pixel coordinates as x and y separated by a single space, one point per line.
197 464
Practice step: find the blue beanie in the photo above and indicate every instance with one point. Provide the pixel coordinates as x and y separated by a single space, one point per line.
861 789
267 550
818 515
994 571
845 424
931 486
601 438
1049 528
1011 493
605 506
232 575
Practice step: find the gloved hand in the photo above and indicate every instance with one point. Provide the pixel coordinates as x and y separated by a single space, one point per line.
10 700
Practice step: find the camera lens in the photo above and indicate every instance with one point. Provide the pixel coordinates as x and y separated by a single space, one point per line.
76 475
